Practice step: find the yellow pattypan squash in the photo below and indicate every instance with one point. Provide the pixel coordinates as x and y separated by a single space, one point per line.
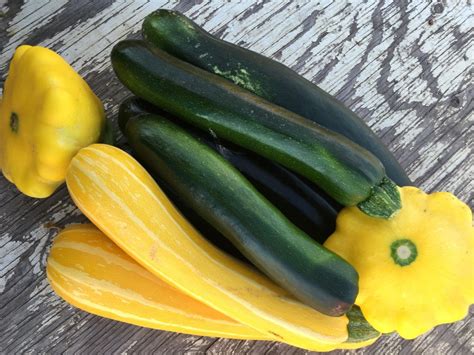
416 270
48 112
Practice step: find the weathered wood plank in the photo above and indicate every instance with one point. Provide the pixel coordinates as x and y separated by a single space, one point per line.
405 67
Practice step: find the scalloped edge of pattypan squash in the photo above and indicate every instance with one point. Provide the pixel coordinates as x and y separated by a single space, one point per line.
416 270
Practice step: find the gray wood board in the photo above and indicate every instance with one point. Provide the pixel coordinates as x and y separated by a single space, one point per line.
405 67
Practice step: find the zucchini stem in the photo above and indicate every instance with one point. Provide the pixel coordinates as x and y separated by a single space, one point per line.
383 202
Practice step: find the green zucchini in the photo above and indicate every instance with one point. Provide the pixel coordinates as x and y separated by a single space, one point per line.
130 109
184 39
304 204
226 200
347 172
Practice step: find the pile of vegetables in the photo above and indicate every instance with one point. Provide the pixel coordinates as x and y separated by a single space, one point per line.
253 205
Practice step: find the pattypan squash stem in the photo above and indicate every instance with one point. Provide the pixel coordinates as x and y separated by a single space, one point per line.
403 252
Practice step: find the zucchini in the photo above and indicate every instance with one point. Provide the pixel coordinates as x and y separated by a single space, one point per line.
347 172
225 199
184 39
129 110
304 204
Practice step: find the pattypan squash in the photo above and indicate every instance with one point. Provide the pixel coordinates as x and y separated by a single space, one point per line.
416 270
48 112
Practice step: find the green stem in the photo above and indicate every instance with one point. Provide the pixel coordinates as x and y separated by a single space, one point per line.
403 252
358 328
383 202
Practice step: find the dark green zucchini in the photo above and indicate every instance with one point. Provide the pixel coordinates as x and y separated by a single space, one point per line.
304 204
131 109
347 172
226 200
184 39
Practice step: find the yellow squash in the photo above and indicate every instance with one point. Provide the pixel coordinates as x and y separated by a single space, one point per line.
122 199
89 271
48 112
416 270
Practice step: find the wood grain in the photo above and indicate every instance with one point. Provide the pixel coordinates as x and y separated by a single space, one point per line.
405 67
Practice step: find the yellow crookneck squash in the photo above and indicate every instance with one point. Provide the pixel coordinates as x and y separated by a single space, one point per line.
89 271
416 270
48 112
117 194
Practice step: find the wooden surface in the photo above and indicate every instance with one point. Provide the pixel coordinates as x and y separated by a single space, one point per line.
406 68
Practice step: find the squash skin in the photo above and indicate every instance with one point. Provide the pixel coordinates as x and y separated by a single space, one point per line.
83 261
138 217
225 199
303 203
48 112
75 271
346 171
181 37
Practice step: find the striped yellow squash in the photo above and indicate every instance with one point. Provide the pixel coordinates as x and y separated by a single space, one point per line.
122 199
89 271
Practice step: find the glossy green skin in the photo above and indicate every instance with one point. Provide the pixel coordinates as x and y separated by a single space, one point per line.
131 109
304 204
184 39
215 190
347 172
